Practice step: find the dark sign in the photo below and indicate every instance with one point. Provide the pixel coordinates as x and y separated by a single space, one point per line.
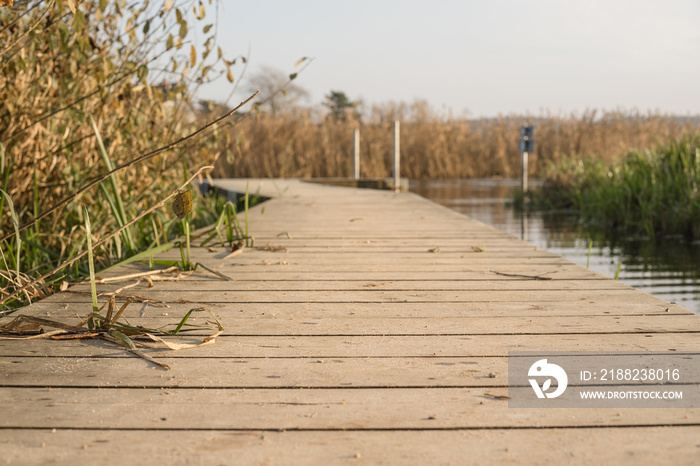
527 139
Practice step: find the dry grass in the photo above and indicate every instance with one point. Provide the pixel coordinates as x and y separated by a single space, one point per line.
83 90
306 144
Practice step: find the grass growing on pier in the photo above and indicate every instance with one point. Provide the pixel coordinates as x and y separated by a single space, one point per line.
649 192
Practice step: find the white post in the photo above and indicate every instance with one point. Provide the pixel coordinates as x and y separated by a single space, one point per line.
523 176
397 157
356 152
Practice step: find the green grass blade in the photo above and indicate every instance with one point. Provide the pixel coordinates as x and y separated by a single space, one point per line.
36 201
617 274
187 316
246 215
15 225
167 263
183 262
236 222
116 203
588 259
5 170
188 264
142 255
184 320
91 263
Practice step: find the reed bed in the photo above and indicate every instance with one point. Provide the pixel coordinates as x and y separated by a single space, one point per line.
307 143
86 87
650 192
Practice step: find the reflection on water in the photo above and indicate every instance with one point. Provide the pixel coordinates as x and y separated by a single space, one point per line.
669 269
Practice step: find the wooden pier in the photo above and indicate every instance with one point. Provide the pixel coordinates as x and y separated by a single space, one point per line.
364 327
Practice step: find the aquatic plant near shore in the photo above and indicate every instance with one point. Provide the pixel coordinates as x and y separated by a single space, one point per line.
650 192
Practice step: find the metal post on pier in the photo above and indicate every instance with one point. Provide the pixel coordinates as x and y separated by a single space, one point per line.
397 157
356 152
526 146
523 171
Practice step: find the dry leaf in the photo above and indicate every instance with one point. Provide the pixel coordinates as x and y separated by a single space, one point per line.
210 340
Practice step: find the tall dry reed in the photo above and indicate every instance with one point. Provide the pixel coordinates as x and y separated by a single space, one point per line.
306 143
84 87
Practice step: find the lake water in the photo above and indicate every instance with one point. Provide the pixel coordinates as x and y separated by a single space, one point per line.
669 269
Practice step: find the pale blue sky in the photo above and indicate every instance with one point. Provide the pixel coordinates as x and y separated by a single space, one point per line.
487 57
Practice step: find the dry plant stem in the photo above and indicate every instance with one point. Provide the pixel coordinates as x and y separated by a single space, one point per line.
108 237
128 164
36 337
533 277
121 278
218 274
134 350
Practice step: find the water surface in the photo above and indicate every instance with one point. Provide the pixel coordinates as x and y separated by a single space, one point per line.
669 269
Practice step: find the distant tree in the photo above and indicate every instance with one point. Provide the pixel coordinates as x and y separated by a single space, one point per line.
276 89
340 105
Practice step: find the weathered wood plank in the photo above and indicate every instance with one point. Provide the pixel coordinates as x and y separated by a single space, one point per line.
359 287
482 272
372 346
278 321
285 409
376 296
423 257
239 372
615 445
302 311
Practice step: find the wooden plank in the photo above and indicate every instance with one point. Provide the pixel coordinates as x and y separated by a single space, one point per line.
375 296
122 369
263 272
359 287
302 311
301 244
423 256
372 346
285 409
615 445
415 271
435 250
283 322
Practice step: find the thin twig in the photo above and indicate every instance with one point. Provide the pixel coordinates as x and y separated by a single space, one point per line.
138 159
106 238
533 277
